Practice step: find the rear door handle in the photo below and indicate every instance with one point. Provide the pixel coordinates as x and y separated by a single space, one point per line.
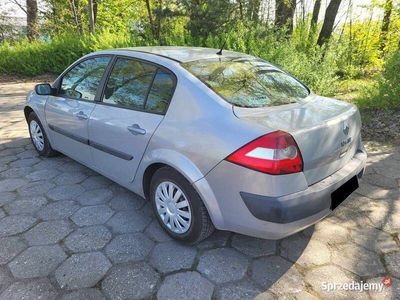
136 129
81 115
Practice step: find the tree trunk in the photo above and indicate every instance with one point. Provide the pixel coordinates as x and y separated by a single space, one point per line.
91 17
159 18
148 6
77 17
385 25
329 21
284 13
315 13
241 9
31 19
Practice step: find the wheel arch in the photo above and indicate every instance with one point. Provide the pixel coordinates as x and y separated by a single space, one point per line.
27 111
187 169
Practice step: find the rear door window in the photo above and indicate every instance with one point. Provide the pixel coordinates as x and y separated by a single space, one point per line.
161 92
129 83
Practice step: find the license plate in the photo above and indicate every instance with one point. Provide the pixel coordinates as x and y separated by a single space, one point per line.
343 192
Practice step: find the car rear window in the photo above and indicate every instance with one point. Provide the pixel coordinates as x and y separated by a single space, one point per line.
248 82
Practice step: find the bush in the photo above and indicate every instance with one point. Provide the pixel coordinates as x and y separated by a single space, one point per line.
315 66
385 93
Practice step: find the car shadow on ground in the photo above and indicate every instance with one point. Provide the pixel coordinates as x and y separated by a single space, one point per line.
359 241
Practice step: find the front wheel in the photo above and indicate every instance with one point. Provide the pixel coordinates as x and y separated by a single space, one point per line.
178 207
38 136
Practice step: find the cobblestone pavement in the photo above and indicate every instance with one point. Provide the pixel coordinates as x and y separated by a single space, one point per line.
69 233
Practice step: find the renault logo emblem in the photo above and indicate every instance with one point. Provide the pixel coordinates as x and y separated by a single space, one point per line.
346 128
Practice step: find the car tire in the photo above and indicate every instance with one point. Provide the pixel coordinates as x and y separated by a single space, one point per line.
200 225
38 136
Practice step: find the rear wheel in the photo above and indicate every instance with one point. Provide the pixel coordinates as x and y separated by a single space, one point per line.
178 207
38 136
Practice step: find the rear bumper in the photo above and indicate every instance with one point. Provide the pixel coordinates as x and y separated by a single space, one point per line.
243 206
300 205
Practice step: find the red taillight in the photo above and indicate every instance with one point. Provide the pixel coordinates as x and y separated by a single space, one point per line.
274 153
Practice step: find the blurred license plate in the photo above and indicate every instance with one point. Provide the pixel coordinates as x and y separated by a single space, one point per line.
343 192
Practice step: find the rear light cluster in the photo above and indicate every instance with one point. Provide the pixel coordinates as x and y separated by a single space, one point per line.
274 153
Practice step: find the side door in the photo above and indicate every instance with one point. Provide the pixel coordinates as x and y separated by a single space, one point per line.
67 113
135 98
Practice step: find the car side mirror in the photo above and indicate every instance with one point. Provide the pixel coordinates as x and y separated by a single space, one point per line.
44 89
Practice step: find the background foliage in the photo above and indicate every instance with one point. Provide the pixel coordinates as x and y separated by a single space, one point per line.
353 52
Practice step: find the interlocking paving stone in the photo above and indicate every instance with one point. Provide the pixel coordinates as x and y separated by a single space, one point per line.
6 197
48 164
69 178
380 180
49 232
94 197
65 192
88 239
156 233
172 256
37 261
244 290
92 215
84 294
27 162
58 210
7 159
126 201
367 220
387 292
5 279
27 154
305 252
367 262
36 188
95 182
374 239
270 296
186 285
130 281
252 246
15 172
128 221
27 205
15 224
223 265
82 270
216 240
9 185
45 174
10 247
35 289
392 261
332 274
278 274
129 247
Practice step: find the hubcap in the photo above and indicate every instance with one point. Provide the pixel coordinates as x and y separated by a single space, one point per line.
173 207
37 135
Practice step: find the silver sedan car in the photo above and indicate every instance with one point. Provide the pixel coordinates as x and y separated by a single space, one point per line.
212 140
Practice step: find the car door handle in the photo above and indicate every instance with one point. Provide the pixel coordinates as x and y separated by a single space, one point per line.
136 129
81 115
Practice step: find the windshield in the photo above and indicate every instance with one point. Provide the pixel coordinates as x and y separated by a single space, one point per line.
248 82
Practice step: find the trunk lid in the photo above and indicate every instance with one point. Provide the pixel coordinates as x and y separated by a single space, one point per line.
326 130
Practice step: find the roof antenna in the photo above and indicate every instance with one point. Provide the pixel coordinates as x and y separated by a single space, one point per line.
220 50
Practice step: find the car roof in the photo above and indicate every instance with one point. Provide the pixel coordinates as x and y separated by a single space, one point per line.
184 54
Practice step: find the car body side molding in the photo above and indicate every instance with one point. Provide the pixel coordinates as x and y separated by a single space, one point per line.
95 145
